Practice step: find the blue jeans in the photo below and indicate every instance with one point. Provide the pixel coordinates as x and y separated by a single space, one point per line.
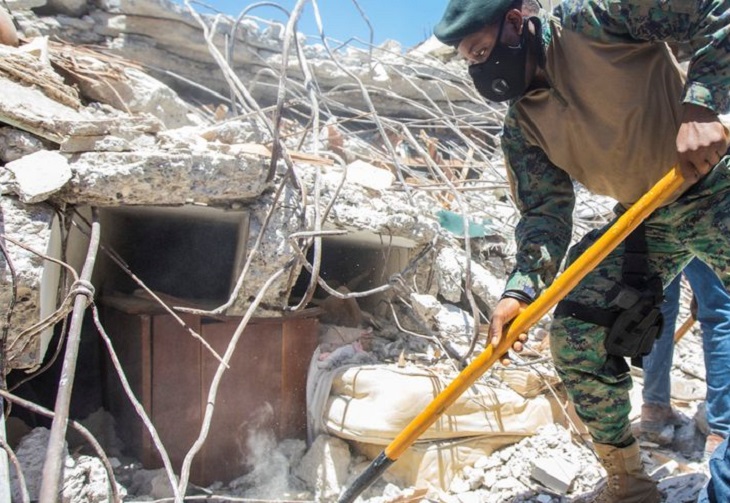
713 313
717 489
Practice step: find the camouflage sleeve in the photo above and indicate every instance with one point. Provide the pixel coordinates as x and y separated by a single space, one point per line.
545 198
703 25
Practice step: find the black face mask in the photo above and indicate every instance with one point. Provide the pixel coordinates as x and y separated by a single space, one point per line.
502 76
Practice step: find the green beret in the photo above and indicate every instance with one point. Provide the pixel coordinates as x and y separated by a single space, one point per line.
464 17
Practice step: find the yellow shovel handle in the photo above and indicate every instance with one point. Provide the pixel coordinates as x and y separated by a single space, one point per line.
565 282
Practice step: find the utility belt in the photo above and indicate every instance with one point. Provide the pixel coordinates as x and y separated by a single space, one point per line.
634 316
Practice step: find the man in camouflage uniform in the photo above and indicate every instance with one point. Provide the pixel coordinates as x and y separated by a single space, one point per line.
596 96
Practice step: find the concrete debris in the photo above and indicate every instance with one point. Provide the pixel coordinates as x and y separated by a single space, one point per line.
30 455
84 477
102 426
33 111
451 275
121 85
360 169
667 469
556 474
38 176
369 176
149 482
36 281
157 177
15 144
325 467
86 481
516 469
30 68
452 322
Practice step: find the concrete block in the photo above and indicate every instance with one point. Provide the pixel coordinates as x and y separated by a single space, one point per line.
556 474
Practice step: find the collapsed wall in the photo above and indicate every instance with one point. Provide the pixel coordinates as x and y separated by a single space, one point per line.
128 140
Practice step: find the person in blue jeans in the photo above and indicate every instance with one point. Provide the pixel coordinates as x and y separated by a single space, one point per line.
717 489
713 313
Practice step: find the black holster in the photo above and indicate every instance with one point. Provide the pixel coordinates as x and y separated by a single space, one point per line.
636 328
634 317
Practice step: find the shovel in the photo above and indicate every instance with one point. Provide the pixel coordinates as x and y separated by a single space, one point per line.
563 284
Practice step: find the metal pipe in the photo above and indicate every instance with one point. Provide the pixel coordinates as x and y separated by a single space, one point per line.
562 285
53 466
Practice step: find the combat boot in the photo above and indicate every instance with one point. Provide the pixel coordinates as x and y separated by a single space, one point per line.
627 482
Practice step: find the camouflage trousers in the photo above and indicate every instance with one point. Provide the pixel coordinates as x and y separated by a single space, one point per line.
696 224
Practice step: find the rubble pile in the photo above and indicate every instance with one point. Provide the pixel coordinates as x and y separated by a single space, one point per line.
128 106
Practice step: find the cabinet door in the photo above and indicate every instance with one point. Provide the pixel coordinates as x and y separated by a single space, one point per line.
131 337
248 405
299 340
176 411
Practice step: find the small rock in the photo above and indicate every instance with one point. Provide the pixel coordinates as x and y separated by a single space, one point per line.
459 485
556 474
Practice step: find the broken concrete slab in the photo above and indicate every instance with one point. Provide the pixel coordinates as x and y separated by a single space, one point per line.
555 473
40 103
111 122
31 110
164 178
182 40
78 144
391 214
29 66
162 9
121 84
369 176
28 277
38 176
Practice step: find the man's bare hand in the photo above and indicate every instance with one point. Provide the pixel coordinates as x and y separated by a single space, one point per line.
505 311
701 142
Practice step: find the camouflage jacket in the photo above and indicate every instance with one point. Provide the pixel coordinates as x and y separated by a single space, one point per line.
543 192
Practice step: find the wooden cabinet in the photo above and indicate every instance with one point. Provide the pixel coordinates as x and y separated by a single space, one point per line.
263 391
